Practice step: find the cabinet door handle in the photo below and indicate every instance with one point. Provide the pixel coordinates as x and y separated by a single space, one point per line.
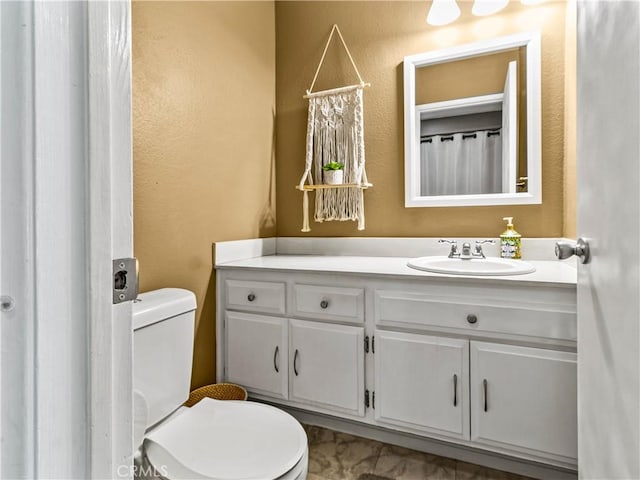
275 359
295 362
484 387
455 390
251 297
324 304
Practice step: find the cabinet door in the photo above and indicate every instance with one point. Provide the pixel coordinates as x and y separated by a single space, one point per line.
257 353
524 399
422 383
327 365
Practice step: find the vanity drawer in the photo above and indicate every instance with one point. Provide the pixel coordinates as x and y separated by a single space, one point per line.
331 303
267 297
484 315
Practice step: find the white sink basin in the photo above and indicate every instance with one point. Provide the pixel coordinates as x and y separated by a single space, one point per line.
475 266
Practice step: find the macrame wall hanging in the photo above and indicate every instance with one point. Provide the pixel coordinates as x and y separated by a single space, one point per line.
335 139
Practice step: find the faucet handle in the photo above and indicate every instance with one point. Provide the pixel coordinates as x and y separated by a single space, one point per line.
454 247
479 243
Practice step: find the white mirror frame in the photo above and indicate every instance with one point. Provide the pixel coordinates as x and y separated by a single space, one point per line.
530 40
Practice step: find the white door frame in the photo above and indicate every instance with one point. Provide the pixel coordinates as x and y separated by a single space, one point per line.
110 198
66 213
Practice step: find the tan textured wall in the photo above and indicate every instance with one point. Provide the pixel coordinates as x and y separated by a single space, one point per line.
570 152
450 80
379 35
203 107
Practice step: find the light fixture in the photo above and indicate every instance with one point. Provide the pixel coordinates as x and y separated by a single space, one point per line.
482 8
443 12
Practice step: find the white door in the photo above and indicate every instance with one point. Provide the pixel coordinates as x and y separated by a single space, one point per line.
422 383
510 129
524 399
66 149
257 353
17 392
327 365
608 161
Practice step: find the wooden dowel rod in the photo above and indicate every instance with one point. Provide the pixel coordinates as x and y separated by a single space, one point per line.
335 90
363 186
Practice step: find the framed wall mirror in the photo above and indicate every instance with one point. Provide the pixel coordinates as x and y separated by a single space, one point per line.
472 124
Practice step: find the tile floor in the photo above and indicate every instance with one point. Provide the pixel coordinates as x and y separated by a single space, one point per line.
340 456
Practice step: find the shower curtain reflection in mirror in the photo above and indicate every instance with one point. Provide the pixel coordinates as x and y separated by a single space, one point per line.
461 163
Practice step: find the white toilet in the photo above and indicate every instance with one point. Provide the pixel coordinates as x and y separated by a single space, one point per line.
221 440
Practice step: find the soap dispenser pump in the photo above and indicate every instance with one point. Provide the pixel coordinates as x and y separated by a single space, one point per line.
510 241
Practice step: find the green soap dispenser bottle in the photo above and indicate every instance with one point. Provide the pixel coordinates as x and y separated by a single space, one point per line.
510 241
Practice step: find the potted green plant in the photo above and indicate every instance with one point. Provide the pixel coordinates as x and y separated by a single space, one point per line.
333 173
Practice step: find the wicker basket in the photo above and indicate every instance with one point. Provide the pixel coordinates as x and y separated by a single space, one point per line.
219 391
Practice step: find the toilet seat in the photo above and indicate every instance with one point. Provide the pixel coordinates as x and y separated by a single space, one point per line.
227 440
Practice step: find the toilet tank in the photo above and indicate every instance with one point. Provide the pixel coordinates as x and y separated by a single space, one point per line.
163 328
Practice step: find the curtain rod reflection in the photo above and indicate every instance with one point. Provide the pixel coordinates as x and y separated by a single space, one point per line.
465 135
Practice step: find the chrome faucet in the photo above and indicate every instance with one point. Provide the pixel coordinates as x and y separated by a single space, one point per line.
466 253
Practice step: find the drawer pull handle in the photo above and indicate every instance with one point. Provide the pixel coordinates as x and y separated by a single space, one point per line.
324 304
275 359
484 387
251 297
295 362
471 318
455 390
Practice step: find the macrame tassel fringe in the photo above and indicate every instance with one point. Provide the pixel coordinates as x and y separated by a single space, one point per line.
340 204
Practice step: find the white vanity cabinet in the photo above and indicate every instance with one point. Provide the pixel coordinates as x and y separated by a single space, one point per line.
408 354
327 365
422 383
524 399
257 353
320 364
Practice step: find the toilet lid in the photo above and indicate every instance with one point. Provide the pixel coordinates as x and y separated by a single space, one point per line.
227 440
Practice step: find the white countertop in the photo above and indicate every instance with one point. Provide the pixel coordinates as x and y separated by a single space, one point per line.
553 273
